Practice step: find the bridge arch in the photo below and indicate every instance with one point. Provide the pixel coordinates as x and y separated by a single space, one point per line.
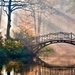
38 47
60 37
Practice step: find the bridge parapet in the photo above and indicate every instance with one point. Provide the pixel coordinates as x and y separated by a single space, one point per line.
58 36
55 36
41 41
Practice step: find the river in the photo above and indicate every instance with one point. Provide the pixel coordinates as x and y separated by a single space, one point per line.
62 59
40 70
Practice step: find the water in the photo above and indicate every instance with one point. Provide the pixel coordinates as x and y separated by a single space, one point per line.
65 57
37 69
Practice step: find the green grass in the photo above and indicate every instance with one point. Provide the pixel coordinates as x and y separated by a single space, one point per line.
46 51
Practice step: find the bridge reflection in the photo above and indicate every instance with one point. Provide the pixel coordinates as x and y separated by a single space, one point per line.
54 69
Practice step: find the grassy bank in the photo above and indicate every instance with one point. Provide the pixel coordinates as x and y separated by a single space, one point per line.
47 50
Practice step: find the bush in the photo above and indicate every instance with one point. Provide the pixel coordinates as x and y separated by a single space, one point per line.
48 48
14 49
3 56
45 51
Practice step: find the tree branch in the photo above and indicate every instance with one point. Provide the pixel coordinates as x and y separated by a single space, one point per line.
16 8
5 11
19 6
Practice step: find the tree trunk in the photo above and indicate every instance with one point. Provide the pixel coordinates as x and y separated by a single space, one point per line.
9 20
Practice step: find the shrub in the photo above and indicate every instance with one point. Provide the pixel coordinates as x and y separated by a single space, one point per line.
14 48
45 51
48 48
12 51
3 56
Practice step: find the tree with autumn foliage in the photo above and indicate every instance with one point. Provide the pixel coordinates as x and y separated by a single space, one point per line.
26 24
26 28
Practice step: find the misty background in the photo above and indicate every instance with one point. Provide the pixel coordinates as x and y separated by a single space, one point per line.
50 16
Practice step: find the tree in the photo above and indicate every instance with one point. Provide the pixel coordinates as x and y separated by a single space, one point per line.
9 19
25 23
26 28
11 6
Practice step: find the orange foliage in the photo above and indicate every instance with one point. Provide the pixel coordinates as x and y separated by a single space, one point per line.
26 24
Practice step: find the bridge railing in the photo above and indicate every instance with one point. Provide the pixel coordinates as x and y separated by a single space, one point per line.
55 36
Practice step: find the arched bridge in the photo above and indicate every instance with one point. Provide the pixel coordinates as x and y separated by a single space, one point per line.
44 40
59 36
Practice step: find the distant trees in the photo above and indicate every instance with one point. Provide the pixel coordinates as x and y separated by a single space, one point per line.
26 23
26 28
43 5
11 6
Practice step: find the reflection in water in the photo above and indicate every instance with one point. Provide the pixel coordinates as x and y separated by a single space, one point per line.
34 69
4 72
39 70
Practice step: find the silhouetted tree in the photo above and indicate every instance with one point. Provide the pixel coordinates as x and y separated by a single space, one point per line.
11 6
